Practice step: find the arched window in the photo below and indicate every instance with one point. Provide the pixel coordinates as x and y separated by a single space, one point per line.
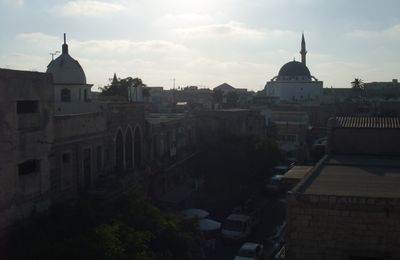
65 95
129 149
138 148
119 152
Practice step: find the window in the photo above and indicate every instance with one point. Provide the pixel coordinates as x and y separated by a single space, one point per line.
66 158
85 95
28 167
65 95
99 158
27 106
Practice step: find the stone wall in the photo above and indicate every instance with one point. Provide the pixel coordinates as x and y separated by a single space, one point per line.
73 126
331 227
26 135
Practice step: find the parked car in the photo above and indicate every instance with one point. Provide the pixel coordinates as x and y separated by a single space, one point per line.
271 248
237 227
275 184
279 234
250 251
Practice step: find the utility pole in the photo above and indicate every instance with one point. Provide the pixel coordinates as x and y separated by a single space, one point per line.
173 92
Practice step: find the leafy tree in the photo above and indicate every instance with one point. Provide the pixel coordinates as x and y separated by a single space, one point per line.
236 166
129 228
119 87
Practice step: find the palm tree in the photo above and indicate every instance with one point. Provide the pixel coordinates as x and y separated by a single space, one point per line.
357 84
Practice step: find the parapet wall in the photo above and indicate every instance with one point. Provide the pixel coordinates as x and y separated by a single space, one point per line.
338 227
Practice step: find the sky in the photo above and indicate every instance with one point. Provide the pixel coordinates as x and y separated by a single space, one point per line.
205 42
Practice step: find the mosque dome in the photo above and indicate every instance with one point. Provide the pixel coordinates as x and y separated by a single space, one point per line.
65 69
294 69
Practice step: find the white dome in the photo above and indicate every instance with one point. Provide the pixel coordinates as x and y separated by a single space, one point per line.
66 70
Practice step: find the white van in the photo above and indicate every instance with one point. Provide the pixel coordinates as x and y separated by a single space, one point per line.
237 227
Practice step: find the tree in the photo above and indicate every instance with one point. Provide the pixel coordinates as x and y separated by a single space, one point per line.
119 87
357 84
237 163
129 228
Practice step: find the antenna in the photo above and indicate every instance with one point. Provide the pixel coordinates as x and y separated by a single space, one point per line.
53 53
173 86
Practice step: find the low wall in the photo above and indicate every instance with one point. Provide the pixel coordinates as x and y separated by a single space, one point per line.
332 227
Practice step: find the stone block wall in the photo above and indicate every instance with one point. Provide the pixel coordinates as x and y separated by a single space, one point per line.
333 227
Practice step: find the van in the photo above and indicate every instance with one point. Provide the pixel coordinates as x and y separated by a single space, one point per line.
237 227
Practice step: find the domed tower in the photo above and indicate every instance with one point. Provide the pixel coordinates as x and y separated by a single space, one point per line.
294 82
72 93
294 70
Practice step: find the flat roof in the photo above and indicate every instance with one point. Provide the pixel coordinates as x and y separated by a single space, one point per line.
163 118
297 172
363 176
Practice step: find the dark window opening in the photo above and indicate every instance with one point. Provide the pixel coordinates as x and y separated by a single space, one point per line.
28 167
65 95
119 152
128 150
85 95
66 158
27 106
99 158
138 149
87 167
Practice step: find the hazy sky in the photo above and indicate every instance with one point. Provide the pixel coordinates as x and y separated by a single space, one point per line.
205 42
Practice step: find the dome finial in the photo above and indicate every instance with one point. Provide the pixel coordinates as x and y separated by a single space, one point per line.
65 45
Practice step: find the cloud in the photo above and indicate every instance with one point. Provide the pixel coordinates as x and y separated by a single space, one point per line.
13 3
184 19
392 32
22 61
38 37
90 8
107 48
125 49
225 30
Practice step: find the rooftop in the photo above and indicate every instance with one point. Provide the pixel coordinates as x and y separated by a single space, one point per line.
298 172
156 118
361 176
367 122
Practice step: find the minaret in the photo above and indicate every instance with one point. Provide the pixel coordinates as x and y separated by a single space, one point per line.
114 80
303 51
65 46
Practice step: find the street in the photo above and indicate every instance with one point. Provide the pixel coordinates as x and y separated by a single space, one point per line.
272 216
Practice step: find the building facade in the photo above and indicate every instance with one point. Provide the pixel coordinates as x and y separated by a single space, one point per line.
26 138
347 206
